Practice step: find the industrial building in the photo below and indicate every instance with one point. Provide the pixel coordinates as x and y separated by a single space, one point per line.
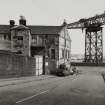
49 45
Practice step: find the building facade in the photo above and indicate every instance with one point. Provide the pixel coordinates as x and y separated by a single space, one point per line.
52 43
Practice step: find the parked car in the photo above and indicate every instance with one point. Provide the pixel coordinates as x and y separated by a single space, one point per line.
63 70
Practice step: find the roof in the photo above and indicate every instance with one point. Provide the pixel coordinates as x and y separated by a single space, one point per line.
20 27
45 29
4 28
34 29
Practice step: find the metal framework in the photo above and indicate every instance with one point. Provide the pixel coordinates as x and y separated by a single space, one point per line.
93 37
93 45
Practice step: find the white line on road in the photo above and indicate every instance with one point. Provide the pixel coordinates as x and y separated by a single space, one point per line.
30 97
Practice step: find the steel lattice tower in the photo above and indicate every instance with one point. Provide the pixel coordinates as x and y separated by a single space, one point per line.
94 45
93 37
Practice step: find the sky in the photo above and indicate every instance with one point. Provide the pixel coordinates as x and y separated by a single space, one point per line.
53 12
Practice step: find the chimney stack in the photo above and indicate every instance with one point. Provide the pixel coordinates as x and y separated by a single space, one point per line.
22 20
12 23
64 23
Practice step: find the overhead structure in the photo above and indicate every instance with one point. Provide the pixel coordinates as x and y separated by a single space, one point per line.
93 37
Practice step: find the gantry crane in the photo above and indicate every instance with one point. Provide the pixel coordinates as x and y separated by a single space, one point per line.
93 37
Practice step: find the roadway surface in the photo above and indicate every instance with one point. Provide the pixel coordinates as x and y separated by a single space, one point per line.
86 88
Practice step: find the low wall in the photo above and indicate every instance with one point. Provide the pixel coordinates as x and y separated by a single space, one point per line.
86 64
13 65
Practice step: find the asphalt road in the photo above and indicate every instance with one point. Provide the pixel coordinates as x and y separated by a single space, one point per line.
86 88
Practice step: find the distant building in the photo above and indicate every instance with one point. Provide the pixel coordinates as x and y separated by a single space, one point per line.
52 43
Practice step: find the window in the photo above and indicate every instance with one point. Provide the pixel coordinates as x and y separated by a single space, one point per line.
1 37
52 53
62 53
61 41
19 52
65 53
39 40
4 37
68 44
18 41
20 37
34 39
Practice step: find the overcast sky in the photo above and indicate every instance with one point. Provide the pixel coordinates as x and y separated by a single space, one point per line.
53 12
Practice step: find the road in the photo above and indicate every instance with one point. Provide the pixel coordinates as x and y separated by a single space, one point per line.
86 88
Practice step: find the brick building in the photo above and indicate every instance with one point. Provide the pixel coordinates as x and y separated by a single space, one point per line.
51 43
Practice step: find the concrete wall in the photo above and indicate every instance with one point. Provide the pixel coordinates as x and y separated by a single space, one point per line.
12 65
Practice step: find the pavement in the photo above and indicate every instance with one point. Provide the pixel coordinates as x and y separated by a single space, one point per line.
86 88
20 80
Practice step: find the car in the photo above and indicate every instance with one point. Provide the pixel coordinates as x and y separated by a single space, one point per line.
63 70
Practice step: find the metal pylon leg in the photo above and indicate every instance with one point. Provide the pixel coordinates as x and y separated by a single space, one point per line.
94 45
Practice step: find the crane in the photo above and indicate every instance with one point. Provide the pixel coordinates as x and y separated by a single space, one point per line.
93 37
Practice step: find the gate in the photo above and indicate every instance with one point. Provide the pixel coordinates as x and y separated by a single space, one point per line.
39 65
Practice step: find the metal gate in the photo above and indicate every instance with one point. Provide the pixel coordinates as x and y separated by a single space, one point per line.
39 65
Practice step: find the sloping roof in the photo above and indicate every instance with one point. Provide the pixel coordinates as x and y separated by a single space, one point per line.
35 29
20 27
45 29
4 28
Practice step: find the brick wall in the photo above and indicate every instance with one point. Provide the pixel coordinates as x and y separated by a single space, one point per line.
12 65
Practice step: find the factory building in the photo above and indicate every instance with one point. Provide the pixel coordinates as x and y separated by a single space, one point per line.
49 45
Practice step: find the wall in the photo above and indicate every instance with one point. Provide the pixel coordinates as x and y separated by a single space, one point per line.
64 47
12 65
86 64
53 43
42 45
5 45
21 41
